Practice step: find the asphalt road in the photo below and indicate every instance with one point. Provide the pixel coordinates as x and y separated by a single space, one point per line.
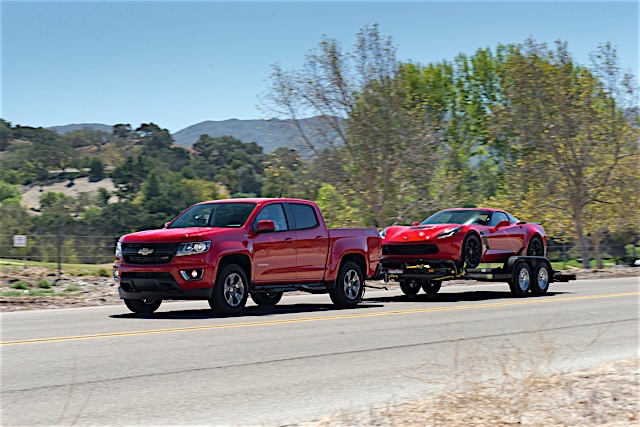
301 360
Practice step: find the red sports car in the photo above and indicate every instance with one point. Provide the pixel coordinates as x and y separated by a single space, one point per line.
466 236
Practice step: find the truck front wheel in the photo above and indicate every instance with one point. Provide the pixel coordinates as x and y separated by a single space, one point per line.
230 290
143 306
266 298
349 285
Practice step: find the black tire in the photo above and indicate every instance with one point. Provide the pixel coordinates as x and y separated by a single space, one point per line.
349 285
266 298
143 306
230 291
520 282
541 278
471 251
536 247
431 287
410 287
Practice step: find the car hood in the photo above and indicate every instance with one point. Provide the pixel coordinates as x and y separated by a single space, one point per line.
418 233
176 235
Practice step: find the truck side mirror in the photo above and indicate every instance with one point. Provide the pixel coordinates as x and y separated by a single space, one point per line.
415 223
503 223
266 226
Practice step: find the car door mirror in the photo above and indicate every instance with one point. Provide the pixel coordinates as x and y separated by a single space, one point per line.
265 226
503 223
415 223
167 224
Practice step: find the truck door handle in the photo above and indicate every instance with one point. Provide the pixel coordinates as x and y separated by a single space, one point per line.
318 237
288 240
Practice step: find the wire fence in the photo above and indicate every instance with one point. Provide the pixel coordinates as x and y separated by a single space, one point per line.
96 249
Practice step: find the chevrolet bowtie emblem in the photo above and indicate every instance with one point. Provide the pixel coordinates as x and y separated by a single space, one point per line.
145 251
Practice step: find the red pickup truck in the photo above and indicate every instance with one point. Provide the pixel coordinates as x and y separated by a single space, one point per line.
226 250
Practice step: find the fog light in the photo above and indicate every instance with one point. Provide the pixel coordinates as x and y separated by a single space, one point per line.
194 274
116 274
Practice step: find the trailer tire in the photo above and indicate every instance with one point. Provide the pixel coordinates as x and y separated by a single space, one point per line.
520 282
410 287
541 278
266 298
431 287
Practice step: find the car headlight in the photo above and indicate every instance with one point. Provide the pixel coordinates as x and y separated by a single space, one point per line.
383 233
449 233
193 248
118 250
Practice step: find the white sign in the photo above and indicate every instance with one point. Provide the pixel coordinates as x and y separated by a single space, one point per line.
19 240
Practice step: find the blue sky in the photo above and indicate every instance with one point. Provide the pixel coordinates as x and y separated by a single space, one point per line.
177 63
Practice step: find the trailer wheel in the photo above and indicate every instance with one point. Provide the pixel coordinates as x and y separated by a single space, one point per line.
431 287
471 251
266 298
410 287
541 278
520 282
143 306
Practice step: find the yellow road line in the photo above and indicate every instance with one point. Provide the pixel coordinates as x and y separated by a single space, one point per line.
320 318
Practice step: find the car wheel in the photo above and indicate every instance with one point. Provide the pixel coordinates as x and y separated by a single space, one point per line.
410 287
266 298
471 251
536 247
143 306
541 278
520 282
349 286
432 287
230 290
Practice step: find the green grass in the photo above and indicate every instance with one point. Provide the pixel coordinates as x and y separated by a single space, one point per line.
12 294
45 284
101 270
71 288
20 285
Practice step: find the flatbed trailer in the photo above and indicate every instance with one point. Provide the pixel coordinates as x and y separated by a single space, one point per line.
524 274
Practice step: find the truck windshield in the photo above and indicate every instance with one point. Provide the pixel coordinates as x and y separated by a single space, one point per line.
459 217
227 215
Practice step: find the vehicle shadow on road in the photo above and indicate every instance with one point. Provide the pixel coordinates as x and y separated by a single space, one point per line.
470 296
252 311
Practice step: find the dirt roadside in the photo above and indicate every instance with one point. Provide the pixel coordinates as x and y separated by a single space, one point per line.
32 288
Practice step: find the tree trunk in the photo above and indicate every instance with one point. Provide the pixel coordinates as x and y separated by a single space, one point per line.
596 241
582 239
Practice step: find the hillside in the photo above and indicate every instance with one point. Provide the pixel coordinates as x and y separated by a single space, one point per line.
80 126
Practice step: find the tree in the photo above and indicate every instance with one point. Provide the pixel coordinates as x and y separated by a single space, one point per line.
122 130
96 169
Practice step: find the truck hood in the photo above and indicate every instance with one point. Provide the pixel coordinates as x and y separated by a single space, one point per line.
401 234
176 235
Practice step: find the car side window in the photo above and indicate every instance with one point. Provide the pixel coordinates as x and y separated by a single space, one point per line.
496 217
304 216
275 213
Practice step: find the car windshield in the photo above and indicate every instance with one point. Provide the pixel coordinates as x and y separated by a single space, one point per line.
227 215
466 217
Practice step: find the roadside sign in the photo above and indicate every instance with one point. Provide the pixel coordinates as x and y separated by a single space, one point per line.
19 240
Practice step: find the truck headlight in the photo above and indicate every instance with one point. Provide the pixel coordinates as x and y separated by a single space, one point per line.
118 250
449 233
193 248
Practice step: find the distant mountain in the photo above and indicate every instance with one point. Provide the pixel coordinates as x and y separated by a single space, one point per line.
80 126
269 134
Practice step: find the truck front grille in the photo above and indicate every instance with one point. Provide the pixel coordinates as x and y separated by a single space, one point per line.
148 253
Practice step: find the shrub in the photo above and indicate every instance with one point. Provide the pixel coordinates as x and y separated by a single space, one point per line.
20 285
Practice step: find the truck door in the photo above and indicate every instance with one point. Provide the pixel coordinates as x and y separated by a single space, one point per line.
274 253
312 243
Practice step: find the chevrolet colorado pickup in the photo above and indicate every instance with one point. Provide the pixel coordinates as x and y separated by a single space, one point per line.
223 251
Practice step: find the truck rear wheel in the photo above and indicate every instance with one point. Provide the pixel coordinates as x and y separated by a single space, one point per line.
143 306
541 278
432 287
349 286
410 287
520 282
266 298
230 290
